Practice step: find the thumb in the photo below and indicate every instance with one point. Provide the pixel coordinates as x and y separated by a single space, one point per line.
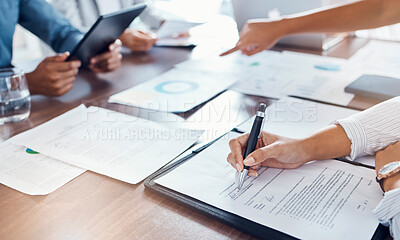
262 154
59 57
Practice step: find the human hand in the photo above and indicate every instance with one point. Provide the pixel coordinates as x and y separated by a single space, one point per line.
53 76
258 35
138 40
108 61
383 157
271 151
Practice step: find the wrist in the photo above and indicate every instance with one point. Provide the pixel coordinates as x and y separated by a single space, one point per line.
29 79
391 183
289 26
307 149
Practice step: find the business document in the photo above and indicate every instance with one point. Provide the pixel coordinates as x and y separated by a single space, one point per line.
321 200
31 172
120 146
177 90
276 75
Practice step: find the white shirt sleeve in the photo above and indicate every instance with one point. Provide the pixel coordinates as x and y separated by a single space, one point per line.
373 129
370 131
388 212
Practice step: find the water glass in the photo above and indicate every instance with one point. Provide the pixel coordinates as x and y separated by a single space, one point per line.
15 100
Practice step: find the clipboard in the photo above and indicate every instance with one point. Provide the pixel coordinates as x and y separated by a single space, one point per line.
240 223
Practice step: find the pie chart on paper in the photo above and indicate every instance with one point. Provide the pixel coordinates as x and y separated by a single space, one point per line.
176 87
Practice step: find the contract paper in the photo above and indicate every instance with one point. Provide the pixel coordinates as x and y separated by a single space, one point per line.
320 200
32 173
177 90
110 143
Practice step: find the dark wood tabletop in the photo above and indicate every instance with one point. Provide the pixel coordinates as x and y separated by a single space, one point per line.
93 206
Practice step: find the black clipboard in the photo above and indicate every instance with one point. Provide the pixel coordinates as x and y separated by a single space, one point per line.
238 222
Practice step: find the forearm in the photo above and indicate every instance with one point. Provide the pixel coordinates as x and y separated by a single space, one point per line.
329 142
365 14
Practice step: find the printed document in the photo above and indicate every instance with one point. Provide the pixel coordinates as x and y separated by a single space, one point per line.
33 173
320 200
275 75
302 75
177 90
378 57
123 147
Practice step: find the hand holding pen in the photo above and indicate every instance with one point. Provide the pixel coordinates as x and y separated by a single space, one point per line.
271 151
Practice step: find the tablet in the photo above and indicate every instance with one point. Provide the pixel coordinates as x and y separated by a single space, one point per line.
104 31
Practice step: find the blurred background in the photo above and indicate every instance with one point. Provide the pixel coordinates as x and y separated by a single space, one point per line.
28 47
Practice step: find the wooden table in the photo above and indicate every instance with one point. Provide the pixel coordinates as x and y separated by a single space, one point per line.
93 206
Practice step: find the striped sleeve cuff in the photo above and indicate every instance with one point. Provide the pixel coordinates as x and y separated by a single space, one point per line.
388 212
355 132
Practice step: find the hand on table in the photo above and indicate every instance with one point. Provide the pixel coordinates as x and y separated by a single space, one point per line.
383 157
271 151
108 61
53 76
137 40
258 35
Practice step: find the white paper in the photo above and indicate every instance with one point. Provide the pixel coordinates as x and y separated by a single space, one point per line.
320 200
175 42
110 143
234 63
172 28
303 75
33 174
378 57
275 75
177 90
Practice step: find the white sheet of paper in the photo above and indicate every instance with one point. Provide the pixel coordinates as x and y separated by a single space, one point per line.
171 28
33 174
234 63
177 90
110 143
378 57
273 74
175 42
321 200
303 75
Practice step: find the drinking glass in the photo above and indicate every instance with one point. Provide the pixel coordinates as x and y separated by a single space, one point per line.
15 99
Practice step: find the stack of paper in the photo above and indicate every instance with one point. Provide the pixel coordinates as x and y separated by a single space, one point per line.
110 143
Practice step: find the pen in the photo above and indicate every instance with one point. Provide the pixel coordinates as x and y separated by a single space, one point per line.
253 138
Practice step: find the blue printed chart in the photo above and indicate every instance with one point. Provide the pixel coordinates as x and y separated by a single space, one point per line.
177 90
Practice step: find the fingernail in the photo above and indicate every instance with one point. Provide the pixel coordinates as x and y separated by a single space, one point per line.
238 167
253 174
249 161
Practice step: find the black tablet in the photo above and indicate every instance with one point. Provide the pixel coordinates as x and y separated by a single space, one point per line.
104 31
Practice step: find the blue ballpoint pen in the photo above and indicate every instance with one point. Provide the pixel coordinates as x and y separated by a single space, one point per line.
253 138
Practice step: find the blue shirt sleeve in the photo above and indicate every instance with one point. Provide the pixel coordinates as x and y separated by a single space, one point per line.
48 24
